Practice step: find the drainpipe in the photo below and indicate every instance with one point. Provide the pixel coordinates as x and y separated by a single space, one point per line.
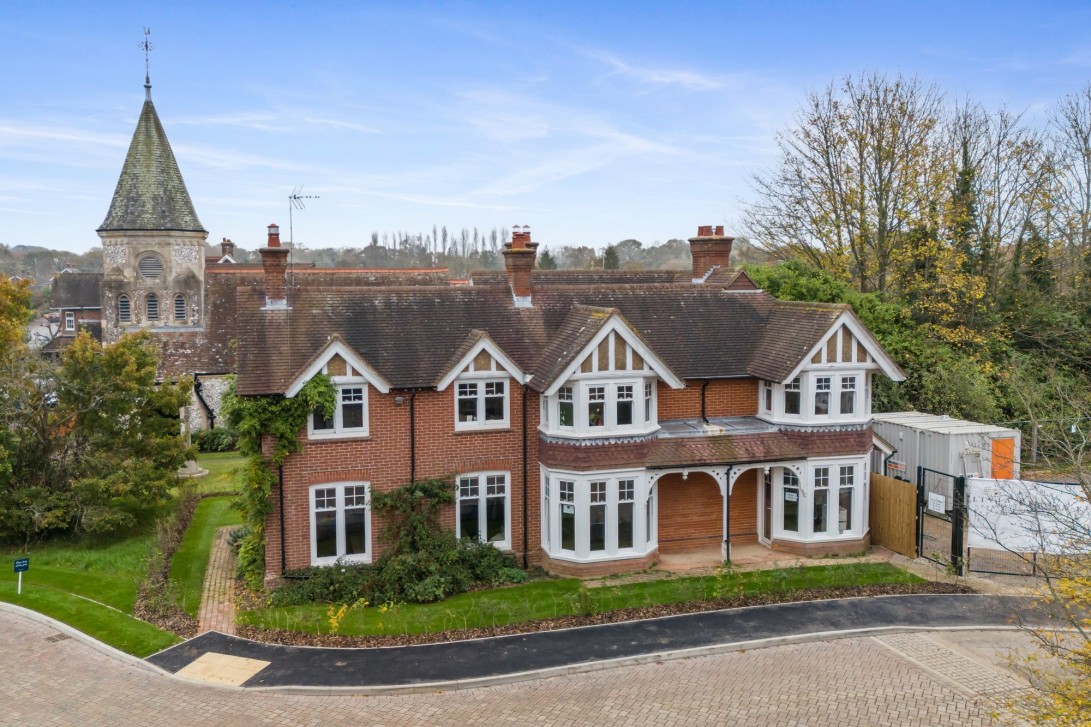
283 547
703 387
727 514
413 435
526 537
197 394
887 459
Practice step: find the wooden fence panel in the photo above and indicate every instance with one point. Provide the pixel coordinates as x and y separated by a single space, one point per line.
893 515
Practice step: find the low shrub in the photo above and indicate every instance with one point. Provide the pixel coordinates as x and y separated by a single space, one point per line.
219 439
424 564
422 577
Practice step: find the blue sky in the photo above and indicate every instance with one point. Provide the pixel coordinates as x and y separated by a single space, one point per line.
590 121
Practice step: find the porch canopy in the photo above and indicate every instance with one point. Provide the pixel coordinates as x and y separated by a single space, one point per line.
724 448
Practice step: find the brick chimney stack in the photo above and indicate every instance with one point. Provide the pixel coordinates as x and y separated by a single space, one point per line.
274 262
520 256
711 249
227 249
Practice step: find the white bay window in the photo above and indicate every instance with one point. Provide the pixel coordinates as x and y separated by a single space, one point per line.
595 407
596 516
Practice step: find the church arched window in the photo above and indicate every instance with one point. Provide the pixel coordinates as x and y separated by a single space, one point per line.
124 310
179 307
151 306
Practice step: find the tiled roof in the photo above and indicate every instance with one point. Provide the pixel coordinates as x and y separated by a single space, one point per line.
575 333
150 193
791 331
76 290
758 447
410 333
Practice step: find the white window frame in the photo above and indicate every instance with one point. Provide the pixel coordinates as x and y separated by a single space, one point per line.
806 532
482 497
641 389
809 382
482 382
339 507
339 431
69 320
631 482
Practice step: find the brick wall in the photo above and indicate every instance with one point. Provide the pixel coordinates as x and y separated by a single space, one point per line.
744 508
690 512
723 398
383 459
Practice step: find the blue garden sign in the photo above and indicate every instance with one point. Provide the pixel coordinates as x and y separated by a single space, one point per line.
22 565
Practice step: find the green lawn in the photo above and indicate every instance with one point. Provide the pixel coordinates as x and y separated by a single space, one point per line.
221 468
191 559
563 597
91 587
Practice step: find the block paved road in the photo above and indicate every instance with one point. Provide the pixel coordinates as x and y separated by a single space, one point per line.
920 678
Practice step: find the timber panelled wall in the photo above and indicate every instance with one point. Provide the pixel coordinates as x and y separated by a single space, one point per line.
893 513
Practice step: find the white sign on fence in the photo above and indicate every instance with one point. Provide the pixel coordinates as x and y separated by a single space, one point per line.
937 502
1027 517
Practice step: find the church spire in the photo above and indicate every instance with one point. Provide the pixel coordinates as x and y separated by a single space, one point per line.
151 194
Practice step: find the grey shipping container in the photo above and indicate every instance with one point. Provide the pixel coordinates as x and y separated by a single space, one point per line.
953 446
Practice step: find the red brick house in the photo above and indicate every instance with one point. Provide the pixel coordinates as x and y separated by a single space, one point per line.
592 419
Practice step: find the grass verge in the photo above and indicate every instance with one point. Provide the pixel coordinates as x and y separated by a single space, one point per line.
191 559
91 587
552 599
221 468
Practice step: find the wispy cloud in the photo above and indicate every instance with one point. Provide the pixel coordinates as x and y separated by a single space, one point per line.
657 77
341 124
256 122
19 133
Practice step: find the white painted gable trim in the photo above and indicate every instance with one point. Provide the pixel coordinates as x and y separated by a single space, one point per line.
618 326
354 360
848 319
488 345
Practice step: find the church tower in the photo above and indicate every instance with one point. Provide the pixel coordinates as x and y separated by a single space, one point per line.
153 245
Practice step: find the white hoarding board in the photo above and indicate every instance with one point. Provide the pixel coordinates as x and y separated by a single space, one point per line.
1026 517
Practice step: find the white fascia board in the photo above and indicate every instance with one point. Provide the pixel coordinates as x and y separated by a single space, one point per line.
618 326
488 345
882 361
354 359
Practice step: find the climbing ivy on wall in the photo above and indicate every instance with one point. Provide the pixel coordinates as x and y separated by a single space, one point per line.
281 418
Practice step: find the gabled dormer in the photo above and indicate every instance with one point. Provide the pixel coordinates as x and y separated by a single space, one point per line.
353 378
599 376
482 377
831 383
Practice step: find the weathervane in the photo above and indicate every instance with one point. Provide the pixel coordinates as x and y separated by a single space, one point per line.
147 47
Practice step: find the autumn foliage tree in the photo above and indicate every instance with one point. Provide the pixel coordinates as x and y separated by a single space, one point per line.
91 442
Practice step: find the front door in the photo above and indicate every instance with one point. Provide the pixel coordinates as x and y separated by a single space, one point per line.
767 507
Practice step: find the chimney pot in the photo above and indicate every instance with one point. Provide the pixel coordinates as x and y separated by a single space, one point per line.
710 249
520 256
274 263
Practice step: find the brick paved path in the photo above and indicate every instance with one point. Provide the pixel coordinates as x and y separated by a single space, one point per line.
217 611
904 679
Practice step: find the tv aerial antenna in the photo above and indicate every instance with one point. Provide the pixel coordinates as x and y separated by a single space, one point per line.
295 202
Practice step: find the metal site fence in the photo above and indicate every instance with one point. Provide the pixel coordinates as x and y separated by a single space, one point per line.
941 518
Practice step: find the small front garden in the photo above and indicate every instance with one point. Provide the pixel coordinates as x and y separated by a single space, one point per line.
550 603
